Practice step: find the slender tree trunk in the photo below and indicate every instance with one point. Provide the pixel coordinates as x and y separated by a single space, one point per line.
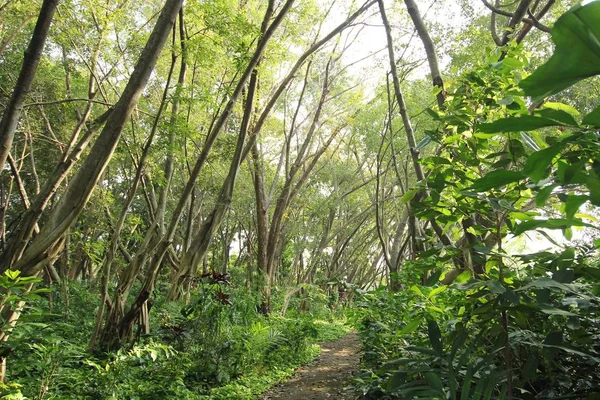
81 186
118 327
410 134
423 33
116 234
194 256
12 112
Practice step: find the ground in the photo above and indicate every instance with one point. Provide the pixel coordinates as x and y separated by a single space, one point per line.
327 377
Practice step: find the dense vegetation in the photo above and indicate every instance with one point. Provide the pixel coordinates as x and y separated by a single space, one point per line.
195 194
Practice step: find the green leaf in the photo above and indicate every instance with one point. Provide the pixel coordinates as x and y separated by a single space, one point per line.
572 205
12 275
409 195
459 341
537 163
435 337
577 54
422 350
411 327
426 140
436 291
468 381
435 382
571 350
496 287
547 283
573 323
434 114
530 368
560 106
557 115
511 296
593 184
496 179
550 310
554 338
543 194
564 275
549 224
593 118
517 124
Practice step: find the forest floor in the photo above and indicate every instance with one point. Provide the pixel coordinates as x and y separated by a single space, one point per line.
327 377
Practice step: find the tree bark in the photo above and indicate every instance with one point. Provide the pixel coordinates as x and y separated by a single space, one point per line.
81 186
70 205
423 33
12 113
117 329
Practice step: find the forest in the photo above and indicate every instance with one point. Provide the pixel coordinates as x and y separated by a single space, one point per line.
196 195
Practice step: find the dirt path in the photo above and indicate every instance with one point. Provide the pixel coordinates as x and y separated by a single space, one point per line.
325 378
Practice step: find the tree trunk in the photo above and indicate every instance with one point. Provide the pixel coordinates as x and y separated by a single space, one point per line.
12 112
118 327
423 33
81 186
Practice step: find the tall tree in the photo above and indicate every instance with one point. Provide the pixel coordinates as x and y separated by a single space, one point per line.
44 246
12 112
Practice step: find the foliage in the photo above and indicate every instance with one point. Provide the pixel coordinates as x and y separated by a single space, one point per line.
167 262
209 349
522 326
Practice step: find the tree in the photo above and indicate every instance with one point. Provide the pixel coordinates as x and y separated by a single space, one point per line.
47 243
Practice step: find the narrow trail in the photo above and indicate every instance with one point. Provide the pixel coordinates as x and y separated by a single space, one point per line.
327 377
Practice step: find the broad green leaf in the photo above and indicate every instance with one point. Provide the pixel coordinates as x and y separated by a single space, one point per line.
564 275
416 289
593 184
436 291
435 337
466 389
496 179
572 205
573 323
543 194
547 283
577 54
422 350
12 274
549 224
554 338
593 118
411 327
571 350
529 370
550 310
511 296
436 309
408 196
560 106
521 216
537 163
557 115
517 124
496 287
435 382
459 341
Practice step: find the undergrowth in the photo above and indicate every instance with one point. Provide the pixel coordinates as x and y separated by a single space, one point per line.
206 349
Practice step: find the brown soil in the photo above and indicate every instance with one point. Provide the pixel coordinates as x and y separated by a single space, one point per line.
327 377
